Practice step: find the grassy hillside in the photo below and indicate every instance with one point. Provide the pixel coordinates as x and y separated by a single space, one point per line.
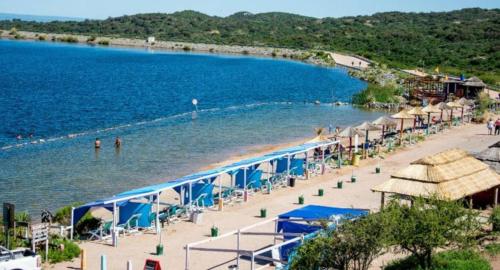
464 40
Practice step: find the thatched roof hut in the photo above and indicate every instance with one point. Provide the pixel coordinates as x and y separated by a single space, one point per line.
452 174
474 82
491 156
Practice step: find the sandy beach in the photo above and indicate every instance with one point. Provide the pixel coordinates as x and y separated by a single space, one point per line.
138 248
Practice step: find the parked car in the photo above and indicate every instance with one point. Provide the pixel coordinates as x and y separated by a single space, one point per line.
19 259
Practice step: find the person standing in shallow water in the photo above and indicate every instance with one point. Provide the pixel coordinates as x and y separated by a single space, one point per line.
118 142
97 143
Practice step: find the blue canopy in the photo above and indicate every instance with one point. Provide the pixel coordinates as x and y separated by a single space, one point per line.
309 213
192 178
253 178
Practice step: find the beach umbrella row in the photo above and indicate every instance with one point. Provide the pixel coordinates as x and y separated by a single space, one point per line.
385 122
416 111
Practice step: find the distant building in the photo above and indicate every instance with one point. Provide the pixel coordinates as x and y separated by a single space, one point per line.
439 88
150 40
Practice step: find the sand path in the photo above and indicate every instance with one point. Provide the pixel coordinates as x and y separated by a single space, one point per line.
137 248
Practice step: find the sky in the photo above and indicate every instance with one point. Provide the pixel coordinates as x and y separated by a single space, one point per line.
100 9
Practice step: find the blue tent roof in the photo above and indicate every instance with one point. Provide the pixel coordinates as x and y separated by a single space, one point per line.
153 189
315 212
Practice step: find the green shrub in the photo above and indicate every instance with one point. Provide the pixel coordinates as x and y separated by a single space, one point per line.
186 48
69 39
63 214
42 37
91 39
448 260
103 42
495 219
56 255
376 93
19 36
245 52
493 249
13 31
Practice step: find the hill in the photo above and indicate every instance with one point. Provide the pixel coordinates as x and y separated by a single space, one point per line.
466 40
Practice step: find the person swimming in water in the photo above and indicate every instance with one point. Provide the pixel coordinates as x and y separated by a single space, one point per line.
97 143
118 142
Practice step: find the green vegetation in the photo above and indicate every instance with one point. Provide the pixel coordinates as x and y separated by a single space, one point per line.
13 31
377 93
91 39
42 37
186 48
448 260
69 39
493 249
463 40
420 230
61 250
103 42
495 219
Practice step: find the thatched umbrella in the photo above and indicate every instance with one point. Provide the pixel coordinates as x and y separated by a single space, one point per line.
430 109
465 102
367 126
385 121
442 106
402 115
350 132
416 111
452 105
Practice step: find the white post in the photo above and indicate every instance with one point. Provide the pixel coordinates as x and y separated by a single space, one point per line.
356 142
496 197
252 262
238 249
190 195
129 265
114 234
244 179
186 266
72 229
288 166
220 194
232 180
157 220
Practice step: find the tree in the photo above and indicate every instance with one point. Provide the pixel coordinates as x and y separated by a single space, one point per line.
430 224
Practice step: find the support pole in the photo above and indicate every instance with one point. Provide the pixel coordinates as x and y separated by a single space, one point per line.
495 203
129 265
252 262
470 202
307 167
238 248
382 200
72 229
114 234
83 260
288 166
221 201
157 219
186 266
190 196
245 192
322 161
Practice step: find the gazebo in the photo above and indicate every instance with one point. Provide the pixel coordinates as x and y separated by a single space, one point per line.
450 175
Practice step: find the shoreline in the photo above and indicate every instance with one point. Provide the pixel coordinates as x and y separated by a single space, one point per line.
138 247
303 56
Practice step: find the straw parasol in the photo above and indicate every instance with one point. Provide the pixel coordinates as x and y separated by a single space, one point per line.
402 115
452 175
385 121
428 110
350 132
465 102
416 111
442 106
367 126
452 105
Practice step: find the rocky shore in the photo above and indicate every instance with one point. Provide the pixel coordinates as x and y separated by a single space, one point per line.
315 58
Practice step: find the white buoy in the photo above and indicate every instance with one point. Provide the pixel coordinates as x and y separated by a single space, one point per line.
195 103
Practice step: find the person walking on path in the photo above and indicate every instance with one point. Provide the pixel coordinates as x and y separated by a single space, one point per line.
490 125
497 127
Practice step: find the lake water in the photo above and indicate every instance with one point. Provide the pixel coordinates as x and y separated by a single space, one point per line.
67 95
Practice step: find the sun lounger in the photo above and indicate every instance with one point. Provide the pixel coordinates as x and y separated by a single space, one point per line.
130 226
103 232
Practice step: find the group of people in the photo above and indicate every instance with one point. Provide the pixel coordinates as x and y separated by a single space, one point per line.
493 125
118 143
